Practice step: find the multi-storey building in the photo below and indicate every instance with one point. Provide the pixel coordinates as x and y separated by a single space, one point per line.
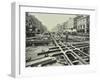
81 23
33 26
68 26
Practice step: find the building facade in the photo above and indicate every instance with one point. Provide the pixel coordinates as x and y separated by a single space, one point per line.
33 26
68 26
81 23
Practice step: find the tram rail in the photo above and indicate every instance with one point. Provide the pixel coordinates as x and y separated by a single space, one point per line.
70 52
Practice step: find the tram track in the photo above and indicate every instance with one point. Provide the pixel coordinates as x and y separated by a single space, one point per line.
71 53
59 44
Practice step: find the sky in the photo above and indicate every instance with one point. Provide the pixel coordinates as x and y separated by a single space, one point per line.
51 20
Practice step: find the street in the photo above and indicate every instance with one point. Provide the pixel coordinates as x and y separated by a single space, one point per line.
58 52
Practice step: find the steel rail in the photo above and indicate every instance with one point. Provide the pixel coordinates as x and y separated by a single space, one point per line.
77 55
67 59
